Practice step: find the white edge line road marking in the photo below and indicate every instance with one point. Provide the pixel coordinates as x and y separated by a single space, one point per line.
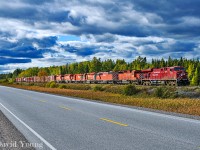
34 132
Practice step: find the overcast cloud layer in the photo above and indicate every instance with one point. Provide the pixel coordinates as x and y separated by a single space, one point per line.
56 32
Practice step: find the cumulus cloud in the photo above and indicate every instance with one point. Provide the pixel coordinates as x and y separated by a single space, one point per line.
30 29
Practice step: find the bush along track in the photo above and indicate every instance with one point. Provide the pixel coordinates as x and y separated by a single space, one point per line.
161 98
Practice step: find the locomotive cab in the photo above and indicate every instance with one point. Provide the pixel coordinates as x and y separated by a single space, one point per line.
180 75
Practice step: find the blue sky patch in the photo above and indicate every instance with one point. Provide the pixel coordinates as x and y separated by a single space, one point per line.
64 38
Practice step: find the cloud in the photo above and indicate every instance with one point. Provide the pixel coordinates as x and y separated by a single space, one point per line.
36 2
34 32
28 48
4 61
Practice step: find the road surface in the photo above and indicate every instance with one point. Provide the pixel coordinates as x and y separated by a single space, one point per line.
63 123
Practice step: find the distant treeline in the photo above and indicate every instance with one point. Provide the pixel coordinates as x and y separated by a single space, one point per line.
97 65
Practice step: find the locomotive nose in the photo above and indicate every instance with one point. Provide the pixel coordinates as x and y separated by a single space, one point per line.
182 74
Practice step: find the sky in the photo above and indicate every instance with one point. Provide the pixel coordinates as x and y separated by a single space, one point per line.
55 32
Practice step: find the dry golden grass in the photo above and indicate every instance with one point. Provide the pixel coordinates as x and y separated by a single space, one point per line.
179 105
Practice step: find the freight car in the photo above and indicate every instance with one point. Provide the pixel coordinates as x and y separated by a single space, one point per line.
167 76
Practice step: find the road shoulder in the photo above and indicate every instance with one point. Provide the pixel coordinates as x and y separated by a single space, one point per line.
10 137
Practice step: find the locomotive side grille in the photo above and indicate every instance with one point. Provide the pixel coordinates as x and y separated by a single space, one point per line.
115 76
141 76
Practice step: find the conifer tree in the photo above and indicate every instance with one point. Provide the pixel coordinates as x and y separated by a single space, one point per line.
190 71
195 79
95 65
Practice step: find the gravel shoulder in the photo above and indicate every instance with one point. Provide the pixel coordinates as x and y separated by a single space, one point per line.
10 137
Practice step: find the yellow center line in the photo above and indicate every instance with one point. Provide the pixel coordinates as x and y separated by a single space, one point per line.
42 101
64 107
111 121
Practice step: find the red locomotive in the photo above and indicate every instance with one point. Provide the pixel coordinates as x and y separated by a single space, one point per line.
167 76
78 78
129 76
90 77
68 78
107 77
59 78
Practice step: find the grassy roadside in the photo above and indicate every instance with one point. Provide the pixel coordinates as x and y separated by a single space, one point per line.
178 105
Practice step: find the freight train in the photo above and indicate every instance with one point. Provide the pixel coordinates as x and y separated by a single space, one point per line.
172 76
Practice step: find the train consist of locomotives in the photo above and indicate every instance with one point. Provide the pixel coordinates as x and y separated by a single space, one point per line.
157 76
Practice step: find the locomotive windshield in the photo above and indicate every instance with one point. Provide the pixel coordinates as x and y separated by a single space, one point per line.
179 69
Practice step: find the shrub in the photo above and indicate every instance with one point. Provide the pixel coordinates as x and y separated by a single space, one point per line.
31 84
165 92
41 84
98 88
159 92
77 86
10 81
118 89
62 86
48 84
4 80
130 90
53 85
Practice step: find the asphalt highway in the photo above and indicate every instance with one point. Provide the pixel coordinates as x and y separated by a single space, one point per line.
64 123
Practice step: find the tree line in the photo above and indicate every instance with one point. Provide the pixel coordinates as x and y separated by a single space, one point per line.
97 65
